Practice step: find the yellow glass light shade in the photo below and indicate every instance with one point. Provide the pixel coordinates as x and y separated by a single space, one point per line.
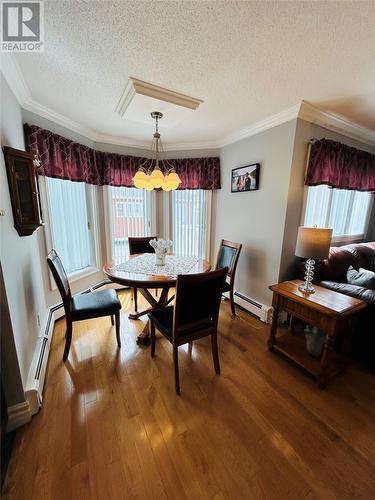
140 179
157 178
148 184
166 186
173 180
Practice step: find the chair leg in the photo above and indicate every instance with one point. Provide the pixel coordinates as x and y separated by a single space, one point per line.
153 339
231 295
112 320
117 316
176 373
68 338
215 353
135 295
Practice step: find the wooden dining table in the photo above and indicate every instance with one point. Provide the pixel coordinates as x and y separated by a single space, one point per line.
144 283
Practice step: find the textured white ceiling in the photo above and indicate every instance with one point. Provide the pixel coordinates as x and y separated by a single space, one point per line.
246 60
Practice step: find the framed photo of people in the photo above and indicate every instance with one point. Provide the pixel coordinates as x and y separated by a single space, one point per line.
245 178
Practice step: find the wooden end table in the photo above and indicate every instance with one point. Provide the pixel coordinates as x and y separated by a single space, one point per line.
330 311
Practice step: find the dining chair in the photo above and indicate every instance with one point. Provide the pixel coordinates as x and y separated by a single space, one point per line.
194 315
228 256
140 244
85 305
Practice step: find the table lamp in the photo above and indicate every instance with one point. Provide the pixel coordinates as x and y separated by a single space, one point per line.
312 244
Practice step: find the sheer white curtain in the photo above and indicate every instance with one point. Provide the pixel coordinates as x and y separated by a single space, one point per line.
346 212
189 222
129 215
70 227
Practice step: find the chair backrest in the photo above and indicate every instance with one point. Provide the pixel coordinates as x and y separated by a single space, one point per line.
61 279
141 244
197 300
228 255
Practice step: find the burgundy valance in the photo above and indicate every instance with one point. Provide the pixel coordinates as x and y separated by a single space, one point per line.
66 159
340 166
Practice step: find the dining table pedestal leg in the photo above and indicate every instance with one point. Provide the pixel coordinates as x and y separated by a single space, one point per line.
144 337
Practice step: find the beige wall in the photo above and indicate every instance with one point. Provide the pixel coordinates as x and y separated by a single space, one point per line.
19 256
257 218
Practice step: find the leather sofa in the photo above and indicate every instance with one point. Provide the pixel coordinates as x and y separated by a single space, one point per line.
331 273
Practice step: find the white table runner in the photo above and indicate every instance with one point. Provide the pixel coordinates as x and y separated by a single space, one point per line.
145 264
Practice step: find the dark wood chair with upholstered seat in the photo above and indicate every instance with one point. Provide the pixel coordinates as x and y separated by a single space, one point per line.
140 245
194 315
85 305
228 256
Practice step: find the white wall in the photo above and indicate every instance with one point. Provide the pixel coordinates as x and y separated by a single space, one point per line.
256 219
19 255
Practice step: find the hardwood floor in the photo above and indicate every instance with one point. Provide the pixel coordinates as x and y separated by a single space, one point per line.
112 426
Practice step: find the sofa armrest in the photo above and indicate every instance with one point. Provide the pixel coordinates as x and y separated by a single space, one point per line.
358 292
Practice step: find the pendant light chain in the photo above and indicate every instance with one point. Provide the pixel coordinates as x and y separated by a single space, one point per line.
153 177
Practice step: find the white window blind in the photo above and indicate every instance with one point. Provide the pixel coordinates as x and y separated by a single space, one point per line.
129 215
70 223
189 222
346 212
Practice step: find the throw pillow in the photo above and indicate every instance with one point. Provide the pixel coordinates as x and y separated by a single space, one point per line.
363 277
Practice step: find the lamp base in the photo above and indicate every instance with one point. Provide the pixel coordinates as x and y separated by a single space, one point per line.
309 273
306 289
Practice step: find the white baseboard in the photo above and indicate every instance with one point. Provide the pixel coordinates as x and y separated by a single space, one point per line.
18 415
263 312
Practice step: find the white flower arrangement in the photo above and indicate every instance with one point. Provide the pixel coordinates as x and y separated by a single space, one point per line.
161 248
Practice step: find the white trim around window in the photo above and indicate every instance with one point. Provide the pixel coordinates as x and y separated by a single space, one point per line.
92 210
346 212
114 195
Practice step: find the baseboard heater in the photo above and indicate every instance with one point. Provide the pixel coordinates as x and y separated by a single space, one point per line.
263 312
37 373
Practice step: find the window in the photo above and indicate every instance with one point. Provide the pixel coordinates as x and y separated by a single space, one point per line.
129 208
190 222
346 212
71 232
129 215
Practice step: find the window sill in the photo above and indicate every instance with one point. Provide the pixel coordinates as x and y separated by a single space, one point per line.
78 275
348 238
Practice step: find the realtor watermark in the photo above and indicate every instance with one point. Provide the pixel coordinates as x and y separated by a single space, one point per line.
22 26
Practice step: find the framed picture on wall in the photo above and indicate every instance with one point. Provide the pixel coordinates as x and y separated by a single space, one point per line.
245 178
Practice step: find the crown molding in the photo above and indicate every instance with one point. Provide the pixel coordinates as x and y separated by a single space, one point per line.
59 119
177 146
261 125
304 111
332 121
14 77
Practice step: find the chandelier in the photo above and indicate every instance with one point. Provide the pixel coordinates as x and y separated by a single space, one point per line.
156 173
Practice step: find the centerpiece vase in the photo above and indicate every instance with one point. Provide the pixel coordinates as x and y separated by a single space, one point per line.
160 257
161 248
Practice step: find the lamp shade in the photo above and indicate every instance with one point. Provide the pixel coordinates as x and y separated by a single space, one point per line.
313 242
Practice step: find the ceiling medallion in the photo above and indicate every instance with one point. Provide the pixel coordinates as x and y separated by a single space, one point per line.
156 173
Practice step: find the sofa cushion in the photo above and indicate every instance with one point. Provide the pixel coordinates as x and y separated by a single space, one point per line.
364 255
359 292
341 258
335 267
362 277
